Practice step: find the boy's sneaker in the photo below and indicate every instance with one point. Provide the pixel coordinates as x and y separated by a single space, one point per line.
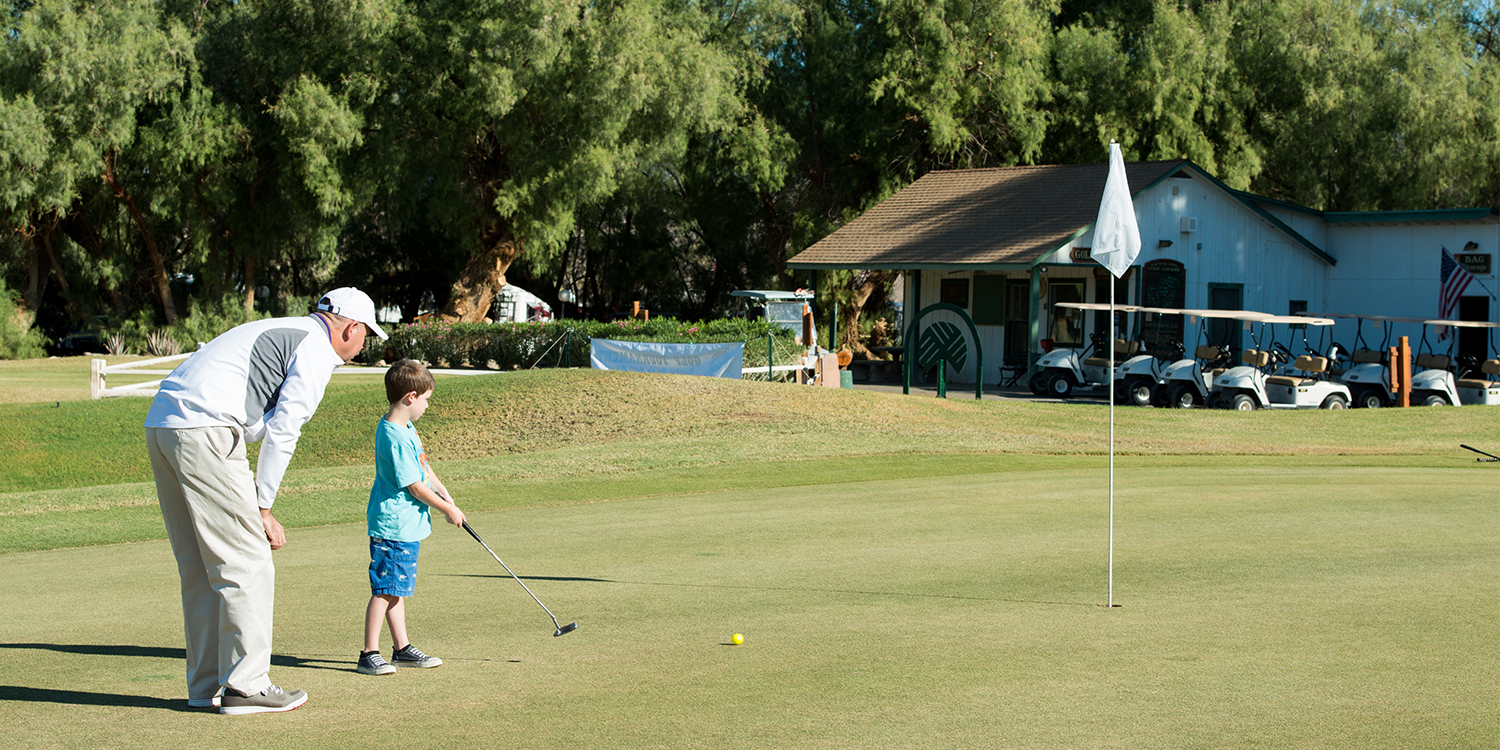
374 663
411 657
270 700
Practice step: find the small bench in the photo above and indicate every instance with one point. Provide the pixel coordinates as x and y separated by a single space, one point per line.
874 370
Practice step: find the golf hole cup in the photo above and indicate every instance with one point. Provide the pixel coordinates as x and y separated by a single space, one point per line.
736 639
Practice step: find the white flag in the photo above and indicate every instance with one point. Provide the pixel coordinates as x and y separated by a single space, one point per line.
1117 238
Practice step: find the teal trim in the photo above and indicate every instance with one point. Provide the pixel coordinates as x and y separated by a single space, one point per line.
1278 204
1410 217
1018 266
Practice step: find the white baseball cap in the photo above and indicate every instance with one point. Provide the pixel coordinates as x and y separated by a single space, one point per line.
352 304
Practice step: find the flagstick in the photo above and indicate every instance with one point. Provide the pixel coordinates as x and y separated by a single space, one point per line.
1111 391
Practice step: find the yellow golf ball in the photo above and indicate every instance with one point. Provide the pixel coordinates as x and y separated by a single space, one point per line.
736 639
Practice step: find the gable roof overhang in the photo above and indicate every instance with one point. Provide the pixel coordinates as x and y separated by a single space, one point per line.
1432 216
1006 218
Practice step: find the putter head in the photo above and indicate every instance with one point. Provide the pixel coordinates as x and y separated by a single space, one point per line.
564 630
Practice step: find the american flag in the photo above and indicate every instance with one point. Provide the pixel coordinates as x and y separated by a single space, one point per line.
1455 279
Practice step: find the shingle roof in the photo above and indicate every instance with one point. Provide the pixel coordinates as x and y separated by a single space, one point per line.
976 217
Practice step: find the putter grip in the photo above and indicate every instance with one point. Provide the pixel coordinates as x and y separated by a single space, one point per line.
470 529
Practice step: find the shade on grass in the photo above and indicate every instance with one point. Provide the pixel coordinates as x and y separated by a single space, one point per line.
1264 606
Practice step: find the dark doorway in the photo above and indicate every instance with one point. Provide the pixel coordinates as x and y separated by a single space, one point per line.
1017 322
1474 341
1223 332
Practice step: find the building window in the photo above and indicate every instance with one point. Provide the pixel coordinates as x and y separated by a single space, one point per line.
955 292
1296 306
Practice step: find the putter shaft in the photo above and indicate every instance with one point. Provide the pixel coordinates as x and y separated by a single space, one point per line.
560 630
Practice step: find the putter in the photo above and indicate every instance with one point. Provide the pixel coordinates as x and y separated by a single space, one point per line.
561 629
1491 456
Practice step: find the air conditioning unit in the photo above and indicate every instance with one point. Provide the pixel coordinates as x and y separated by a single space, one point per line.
1189 223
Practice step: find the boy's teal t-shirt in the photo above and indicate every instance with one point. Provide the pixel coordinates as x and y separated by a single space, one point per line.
399 463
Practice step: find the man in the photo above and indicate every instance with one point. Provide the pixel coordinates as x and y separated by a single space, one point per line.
261 380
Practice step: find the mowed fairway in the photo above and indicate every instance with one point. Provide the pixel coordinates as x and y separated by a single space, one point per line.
1263 606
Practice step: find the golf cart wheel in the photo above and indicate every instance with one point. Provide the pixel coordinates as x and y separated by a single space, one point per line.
1121 392
1183 397
1435 400
1038 384
1140 392
1334 401
1213 401
1243 402
1060 386
1369 399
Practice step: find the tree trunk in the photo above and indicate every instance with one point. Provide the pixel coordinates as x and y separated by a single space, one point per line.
158 269
36 278
868 288
48 228
483 277
249 286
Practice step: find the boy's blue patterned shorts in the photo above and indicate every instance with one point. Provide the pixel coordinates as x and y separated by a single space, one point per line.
393 567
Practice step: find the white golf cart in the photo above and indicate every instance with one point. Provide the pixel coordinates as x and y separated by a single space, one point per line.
782 308
1478 382
1369 377
1304 386
1189 382
1062 371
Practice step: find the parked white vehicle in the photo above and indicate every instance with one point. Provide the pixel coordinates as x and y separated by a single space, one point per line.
1305 386
1189 382
1062 371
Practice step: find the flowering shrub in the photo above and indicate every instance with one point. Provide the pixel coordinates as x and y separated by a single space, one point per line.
562 343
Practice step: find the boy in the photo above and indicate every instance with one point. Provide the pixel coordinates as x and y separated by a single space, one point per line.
405 488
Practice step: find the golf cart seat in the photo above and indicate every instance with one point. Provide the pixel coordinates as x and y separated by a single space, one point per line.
1432 362
1255 358
1366 356
1206 353
1305 363
1490 367
1123 350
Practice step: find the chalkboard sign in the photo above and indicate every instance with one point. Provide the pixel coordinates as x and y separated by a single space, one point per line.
1163 284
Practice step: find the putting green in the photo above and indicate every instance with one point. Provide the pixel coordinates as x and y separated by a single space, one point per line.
1262 607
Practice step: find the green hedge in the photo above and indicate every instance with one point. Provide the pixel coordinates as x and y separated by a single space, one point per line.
526 345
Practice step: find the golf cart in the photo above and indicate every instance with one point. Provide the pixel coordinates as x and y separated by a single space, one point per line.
1061 371
1304 386
1189 382
782 308
1369 377
1478 382
1137 380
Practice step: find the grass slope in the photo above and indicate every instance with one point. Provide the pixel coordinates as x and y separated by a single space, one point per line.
76 471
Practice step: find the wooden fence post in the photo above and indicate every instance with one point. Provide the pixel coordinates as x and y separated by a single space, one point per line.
1403 362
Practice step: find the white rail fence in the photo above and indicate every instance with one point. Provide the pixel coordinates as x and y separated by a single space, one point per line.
100 369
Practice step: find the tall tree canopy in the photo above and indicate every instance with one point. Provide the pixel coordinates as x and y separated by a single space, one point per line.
158 158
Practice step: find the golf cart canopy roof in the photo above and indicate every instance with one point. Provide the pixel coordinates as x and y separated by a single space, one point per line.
1099 306
1379 318
1298 319
772 294
1462 323
1226 314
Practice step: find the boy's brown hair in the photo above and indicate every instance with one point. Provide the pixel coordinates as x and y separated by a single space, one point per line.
406 376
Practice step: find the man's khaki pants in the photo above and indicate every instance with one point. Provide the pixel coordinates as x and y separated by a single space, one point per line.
207 496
